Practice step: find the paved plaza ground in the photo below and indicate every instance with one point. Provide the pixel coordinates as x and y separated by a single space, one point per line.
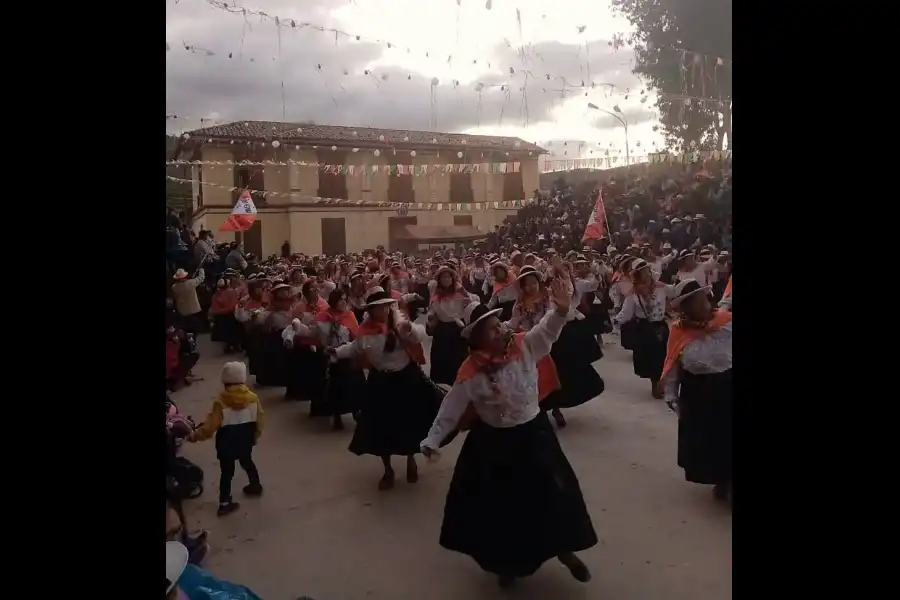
324 530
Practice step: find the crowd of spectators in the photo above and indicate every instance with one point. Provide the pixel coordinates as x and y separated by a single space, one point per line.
687 207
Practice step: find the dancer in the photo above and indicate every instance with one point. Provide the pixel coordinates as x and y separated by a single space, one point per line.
344 382
643 316
399 402
697 383
448 349
514 501
574 353
503 294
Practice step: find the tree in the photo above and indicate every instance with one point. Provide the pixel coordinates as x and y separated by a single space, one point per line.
678 46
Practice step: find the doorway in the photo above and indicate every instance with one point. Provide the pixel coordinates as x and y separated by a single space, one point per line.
334 236
252 239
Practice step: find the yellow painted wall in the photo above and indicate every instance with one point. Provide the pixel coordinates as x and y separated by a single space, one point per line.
365 228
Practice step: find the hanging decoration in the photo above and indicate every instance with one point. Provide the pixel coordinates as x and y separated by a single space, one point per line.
608 162
374 169
306 199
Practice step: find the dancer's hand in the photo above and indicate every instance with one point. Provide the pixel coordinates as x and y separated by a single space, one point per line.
561 297
429 453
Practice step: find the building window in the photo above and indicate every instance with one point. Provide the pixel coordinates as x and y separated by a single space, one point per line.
461 188
462 220
332 182
253 178
512 185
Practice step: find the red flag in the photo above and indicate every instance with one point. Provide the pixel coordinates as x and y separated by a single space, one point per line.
242 215
594 229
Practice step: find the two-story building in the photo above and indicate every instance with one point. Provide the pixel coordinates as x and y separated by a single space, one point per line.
333 189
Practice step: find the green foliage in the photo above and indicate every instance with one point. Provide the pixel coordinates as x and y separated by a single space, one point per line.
667 35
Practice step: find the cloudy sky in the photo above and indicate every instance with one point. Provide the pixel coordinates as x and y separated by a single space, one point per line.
279 72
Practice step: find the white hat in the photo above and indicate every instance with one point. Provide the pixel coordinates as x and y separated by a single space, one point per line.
377 296
176 561
473 314
280 286
685 288
181 274
234 373
639 264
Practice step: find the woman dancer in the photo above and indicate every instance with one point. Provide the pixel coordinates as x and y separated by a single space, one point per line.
574 353
356 298
345 382
272 368
306 363
225 326
697 383
448 349
514 501
503 294
478 276
645 310
399 402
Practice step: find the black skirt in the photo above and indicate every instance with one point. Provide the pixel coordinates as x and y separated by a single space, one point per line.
448 351
272 357
253 342
650 350
478 290
305 376
514 501
574 354
344 390
398 408
227 329
705 404
507 307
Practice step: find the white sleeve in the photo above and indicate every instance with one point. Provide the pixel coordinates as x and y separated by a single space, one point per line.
241 314
451 411
287 336
542 336
407 298
348 350
417 333
670 385
627 312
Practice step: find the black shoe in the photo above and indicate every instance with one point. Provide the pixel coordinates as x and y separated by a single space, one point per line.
505 581
253 490
577 568
227 508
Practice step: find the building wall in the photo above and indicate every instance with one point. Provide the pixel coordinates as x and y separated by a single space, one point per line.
364 228
363 184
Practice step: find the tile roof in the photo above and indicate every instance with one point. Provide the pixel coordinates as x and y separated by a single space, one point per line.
295 133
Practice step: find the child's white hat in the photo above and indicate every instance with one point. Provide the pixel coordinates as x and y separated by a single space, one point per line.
234 373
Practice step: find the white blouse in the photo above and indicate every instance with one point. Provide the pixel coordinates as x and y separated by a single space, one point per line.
449 310
707 355
372 346
328 335
634 307
507 294
529 321
518 381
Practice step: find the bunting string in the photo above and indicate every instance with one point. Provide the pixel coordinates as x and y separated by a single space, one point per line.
342 169
307 199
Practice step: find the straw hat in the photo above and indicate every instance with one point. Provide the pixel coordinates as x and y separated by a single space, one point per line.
687 288
639 264
529 270
378 296
176 561
473 314
180 275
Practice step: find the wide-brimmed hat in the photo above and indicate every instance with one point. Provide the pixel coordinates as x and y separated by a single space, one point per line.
378 296
686 288
176 561
180 274
638 264
579 258
280 286
473 314
499 264
529 270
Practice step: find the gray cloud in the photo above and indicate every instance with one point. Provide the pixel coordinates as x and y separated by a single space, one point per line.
236 89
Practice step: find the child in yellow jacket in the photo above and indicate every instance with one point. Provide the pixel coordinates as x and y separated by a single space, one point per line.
236 419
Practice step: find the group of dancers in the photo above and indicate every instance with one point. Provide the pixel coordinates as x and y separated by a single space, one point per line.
514 339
